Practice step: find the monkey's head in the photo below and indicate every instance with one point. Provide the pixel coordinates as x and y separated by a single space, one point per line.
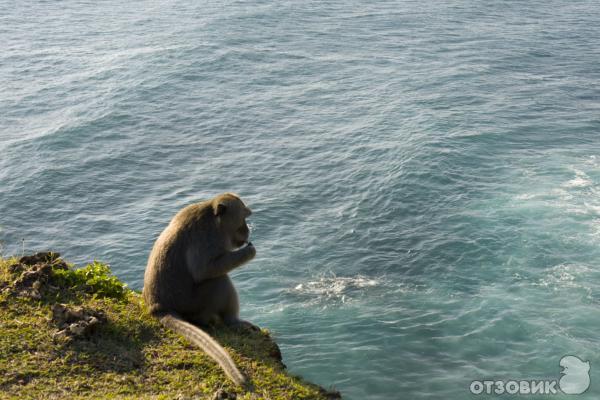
231 214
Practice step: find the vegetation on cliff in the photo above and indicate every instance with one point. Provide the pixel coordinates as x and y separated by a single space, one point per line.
81 333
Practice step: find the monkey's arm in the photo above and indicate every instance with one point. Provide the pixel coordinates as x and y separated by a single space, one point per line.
218 265
229 261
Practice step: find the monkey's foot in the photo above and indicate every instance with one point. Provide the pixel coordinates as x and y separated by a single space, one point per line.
242 325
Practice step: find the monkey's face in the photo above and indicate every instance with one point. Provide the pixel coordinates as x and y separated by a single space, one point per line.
238 232
241 235
232 214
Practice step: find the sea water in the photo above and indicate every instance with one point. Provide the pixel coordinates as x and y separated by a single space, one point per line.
424 175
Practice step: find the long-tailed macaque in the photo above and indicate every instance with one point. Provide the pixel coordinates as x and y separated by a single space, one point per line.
186 284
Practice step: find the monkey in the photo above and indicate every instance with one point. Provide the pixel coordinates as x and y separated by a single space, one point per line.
186 285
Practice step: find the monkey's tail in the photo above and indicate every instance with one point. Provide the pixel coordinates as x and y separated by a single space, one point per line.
206 343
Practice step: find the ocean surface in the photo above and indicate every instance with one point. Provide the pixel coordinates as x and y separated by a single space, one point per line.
424 175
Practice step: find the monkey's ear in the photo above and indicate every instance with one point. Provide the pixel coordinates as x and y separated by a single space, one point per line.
220 209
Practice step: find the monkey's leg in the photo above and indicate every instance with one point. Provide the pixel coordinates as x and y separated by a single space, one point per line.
217 299
231 312
212 297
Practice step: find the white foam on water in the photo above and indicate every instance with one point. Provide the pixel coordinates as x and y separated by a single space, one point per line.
564 276
332 288
525 196
580 180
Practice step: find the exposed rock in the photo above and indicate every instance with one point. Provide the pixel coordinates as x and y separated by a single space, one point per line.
223 395
331 394
75 322
274 350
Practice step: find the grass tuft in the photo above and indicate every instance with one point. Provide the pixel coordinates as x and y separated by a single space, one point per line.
95 278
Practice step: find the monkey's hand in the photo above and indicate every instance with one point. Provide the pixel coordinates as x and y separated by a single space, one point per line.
251 250
244 254
230 260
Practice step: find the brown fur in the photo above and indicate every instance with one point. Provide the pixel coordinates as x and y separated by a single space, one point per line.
186 276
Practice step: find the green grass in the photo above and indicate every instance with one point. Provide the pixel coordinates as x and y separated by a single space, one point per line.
129 356
94 278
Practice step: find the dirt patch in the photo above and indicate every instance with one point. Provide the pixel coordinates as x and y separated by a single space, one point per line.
34 274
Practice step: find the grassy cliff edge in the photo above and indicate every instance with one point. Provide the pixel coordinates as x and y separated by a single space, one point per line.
81 333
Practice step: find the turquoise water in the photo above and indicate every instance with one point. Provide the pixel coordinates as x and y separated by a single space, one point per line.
425 176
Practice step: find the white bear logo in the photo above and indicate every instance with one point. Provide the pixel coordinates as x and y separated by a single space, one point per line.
575 375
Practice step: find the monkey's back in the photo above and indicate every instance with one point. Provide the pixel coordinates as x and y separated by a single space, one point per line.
168 283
